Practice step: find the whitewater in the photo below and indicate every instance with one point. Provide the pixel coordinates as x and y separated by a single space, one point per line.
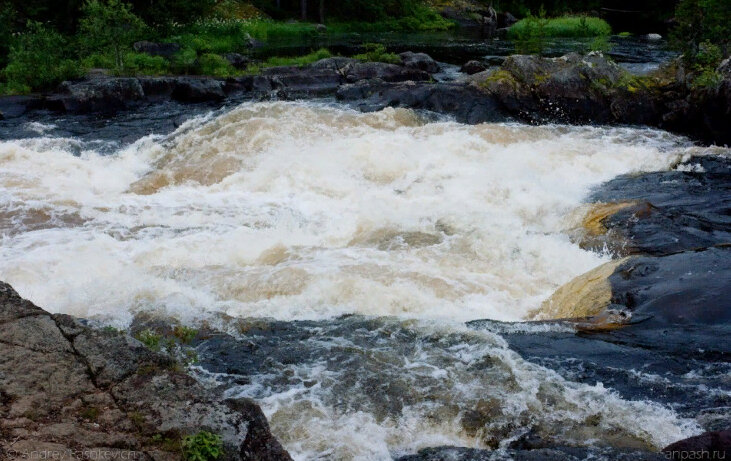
306 211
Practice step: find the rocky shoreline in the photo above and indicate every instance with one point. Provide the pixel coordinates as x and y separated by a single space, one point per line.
574 89
68 391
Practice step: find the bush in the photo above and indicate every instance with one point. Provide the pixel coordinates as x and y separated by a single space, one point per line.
216 66
110 26
567 26
144 64
699 22
375 52
204 446
38 59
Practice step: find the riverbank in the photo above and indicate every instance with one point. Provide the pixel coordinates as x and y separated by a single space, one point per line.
571 89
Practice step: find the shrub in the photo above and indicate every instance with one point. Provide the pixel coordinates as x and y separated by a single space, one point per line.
375 52
150 339
699 22
215 65
144 64
109 25
38 59
567 26
203 446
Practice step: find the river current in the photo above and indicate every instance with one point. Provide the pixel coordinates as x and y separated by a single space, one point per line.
349 249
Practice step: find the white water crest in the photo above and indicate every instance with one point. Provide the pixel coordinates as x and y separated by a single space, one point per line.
294 211
298 211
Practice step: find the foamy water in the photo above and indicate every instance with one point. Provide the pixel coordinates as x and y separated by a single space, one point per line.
299 211
303 211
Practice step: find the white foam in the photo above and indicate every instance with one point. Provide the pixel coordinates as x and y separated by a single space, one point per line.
300 211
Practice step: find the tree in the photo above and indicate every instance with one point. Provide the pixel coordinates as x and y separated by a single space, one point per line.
110 25
303 5
701 22
38 59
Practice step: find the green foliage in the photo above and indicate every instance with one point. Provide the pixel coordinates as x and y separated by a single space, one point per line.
150 339
566 26
375 52
144 64
7 18
37 60
109 26
215 65
278 61
186 335
165 13
203 446
699 22
625 34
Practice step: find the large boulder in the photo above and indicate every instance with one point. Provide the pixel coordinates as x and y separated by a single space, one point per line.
384 71
191 89
420 61
105 95
66 388
466 103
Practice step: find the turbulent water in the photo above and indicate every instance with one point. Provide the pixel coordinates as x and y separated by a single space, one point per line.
306 211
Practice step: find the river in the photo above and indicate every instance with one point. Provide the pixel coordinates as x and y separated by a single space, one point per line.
344 253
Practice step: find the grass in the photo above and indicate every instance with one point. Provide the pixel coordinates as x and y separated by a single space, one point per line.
566 26
300 61
375 52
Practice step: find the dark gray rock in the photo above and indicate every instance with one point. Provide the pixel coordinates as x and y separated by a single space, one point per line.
191 89
473 67
237 60
16 106
716 444
386 72
679 210
165 50
420 61
64 387
106 95
466 103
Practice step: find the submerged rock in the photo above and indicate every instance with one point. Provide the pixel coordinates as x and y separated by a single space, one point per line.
65 387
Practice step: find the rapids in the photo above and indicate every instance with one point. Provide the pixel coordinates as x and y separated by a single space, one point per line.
302 213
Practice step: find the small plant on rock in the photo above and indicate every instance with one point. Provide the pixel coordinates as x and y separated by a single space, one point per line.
203 446
150 339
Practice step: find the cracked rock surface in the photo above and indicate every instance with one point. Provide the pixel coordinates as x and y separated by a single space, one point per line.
73 392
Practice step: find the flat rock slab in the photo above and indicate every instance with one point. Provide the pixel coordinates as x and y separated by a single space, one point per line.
67 389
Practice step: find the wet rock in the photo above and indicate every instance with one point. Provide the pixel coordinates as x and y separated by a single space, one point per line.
238 61
65 387
668 211
106 95
420 61
165 50
383 71
16 106
190 89
473 67
467 104
711 445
